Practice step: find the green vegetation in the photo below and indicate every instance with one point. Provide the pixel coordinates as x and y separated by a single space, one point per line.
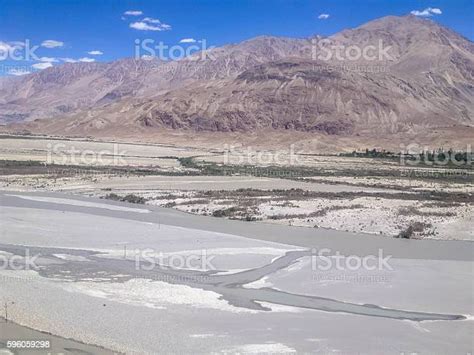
295 172
373 153
439 157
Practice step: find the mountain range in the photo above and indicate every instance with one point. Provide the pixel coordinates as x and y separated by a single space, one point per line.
420 84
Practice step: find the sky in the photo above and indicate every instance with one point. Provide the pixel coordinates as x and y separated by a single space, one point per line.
58 31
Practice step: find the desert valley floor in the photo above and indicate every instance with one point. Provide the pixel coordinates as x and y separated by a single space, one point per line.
107 239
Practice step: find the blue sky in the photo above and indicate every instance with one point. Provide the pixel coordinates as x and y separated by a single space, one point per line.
80 30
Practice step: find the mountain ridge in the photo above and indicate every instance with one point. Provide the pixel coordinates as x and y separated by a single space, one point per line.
264 83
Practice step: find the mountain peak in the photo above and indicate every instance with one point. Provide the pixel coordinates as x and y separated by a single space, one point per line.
406 25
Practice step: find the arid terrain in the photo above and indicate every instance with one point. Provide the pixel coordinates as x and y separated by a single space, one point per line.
383 196
308 194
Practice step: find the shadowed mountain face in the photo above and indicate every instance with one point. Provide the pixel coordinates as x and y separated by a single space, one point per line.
414 75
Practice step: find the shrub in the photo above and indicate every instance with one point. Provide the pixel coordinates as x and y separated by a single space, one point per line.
415 227
226 212
131 198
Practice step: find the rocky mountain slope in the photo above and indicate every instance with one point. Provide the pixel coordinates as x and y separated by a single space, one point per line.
72 87
424 82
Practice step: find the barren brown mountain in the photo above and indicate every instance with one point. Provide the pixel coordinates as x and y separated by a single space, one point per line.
423 88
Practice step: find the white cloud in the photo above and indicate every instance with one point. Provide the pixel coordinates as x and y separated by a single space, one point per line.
151 20
323 16
51 43
48 60
86 60
142 26
69 60
18 72
149 26
429 11
148 57
95 52
188 40
43 65
133 13
83 60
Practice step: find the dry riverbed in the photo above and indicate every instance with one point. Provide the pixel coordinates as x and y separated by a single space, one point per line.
368 195
390 214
